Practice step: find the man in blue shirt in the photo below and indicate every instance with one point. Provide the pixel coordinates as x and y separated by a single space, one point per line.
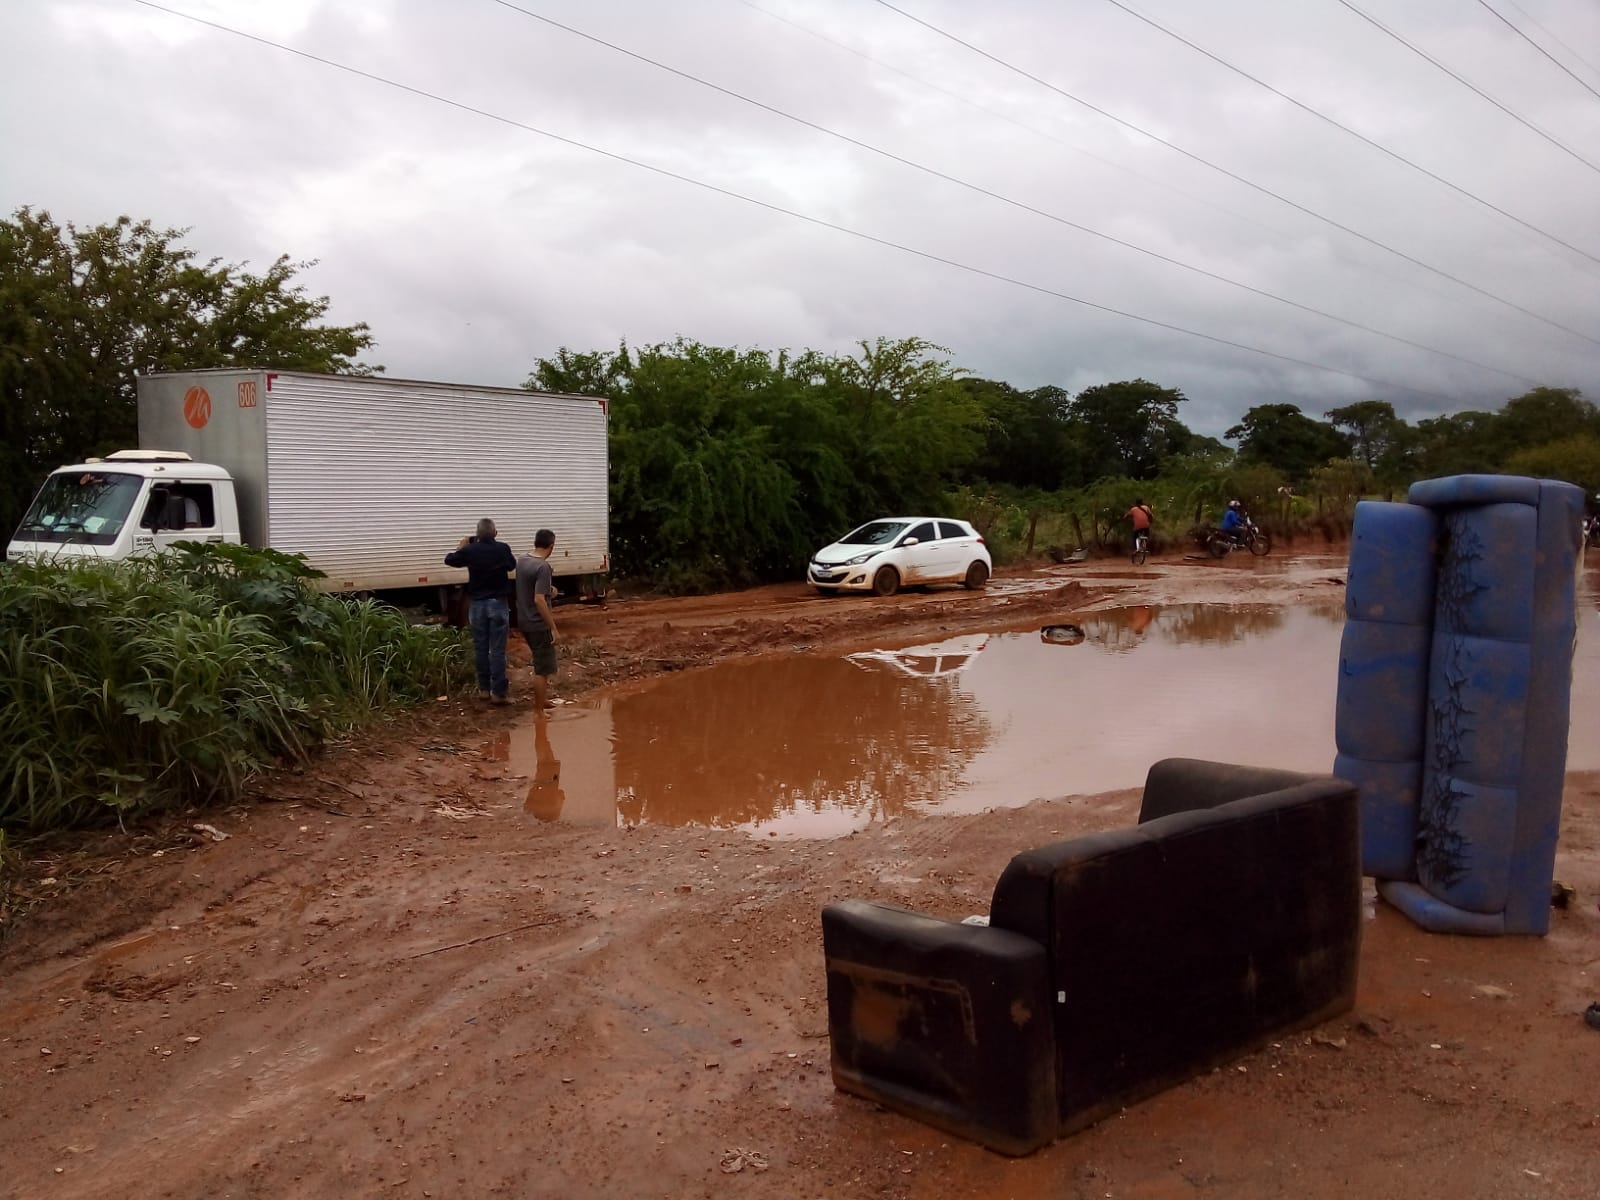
488 565
1233 520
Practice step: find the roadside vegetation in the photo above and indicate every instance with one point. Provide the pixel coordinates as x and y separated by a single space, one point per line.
149 685
730 466
163 683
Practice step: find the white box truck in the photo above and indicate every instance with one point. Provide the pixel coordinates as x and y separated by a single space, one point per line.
374 480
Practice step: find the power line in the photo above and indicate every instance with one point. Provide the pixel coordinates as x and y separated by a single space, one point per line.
1469 85
1023 125
1382 149
994 195
788 212
1265 191
1429 286
1552 36
1514 29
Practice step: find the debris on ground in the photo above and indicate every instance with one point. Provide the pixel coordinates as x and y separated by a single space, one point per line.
738 1159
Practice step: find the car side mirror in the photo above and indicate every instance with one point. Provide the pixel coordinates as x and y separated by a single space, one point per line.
910 542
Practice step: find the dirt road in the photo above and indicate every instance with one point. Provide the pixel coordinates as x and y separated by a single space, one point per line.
389 981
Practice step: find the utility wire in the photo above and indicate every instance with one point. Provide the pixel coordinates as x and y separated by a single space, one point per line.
1235 176
1514 29
788 212
1468 84
1432 287
1361 137
1022 206
1023 125
1548 32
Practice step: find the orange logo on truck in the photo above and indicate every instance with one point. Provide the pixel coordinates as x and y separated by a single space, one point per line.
197 406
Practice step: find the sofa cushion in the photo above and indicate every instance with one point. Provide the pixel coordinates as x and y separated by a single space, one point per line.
1186 940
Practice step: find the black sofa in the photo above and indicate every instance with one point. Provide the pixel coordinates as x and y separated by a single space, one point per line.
1113 965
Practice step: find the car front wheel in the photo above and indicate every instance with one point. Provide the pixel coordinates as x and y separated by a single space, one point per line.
886 582
977 575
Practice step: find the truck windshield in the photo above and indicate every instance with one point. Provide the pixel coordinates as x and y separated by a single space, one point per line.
89 507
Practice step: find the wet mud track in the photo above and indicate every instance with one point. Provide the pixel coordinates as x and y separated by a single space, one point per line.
391 980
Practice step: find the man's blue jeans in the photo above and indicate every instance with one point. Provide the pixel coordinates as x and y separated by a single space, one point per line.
490 620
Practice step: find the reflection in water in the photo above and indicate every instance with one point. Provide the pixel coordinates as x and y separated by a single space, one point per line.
1062 635
941 658
1122 628
814 746
545 797
797 741
567 762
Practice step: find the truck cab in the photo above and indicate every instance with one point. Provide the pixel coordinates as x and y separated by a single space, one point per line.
127 505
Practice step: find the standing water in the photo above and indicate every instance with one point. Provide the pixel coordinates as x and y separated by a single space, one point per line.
813 746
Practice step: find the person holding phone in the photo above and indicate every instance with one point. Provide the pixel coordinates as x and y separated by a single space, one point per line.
489 564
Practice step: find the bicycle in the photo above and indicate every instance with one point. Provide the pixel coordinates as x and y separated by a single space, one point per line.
1141 547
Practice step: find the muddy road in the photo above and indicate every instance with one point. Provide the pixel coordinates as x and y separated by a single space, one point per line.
433 964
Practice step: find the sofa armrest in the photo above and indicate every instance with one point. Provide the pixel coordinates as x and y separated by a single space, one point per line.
945 1022
1177 785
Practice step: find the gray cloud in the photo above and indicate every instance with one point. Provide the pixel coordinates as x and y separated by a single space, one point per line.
473 247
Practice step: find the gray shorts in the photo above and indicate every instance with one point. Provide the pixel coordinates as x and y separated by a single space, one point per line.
544 650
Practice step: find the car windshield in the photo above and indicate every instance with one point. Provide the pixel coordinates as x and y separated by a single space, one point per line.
874 533
87 506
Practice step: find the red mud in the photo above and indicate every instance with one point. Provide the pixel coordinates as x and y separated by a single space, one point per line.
389 981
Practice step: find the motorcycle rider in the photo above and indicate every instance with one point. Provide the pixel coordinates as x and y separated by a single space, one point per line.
1233 522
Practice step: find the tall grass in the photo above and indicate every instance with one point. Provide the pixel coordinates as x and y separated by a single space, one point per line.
141 685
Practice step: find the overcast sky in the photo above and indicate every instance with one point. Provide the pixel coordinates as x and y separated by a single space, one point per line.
473 246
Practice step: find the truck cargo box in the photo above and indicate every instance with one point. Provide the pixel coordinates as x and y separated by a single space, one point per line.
374 480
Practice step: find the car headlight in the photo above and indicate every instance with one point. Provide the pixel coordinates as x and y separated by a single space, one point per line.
861 558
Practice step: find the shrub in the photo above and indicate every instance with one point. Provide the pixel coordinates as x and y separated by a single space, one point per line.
131 687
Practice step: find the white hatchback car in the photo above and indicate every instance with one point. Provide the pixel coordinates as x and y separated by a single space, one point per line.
890 553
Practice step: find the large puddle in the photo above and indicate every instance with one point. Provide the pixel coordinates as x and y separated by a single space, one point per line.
815 746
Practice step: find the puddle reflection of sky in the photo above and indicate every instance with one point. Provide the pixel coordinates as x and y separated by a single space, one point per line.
816 746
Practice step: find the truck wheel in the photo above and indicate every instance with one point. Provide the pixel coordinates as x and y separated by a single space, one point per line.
886 582
977 576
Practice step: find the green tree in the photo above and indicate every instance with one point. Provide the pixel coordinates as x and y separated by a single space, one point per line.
1371 426
1340 482
1458 444
1575 459
1283 437
731 466
912 425
1544 415
1127 428
1028 442
83 310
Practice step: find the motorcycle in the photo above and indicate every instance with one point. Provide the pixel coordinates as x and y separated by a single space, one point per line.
1248 534
1591 532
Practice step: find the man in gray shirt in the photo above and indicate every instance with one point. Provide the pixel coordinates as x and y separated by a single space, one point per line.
535 617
